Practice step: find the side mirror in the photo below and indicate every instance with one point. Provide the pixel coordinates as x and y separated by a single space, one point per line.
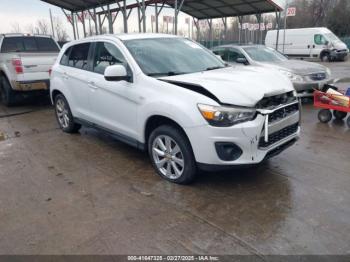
326 43
242 60
116 73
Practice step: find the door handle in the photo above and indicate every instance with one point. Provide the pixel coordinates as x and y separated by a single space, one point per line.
308 46
92 85
313 46
65 76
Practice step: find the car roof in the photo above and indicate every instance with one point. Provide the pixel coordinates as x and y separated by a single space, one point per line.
238 46
124 37
25 35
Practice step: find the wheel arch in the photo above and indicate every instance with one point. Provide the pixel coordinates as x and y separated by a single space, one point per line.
158 120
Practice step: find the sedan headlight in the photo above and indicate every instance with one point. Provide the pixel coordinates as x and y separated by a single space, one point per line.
293 77
223 116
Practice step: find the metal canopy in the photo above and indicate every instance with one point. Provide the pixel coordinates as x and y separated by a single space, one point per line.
79 5
208 9
201 9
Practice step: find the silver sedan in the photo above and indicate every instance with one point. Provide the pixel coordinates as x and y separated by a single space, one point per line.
306 76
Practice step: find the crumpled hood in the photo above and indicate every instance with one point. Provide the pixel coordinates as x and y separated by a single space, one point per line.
297 66
241 86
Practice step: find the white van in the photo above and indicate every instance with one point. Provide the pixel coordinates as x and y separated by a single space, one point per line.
316 43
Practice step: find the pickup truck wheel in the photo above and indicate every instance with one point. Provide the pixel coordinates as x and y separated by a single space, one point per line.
171 155
8 95
64 115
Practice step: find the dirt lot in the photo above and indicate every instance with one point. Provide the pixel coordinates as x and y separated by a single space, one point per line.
89 194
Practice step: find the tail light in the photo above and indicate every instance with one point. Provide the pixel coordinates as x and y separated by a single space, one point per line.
17 64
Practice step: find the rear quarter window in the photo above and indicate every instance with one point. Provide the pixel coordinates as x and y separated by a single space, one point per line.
65 57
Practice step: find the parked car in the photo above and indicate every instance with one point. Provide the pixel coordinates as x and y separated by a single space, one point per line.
25 62
316 43
306 76
172 97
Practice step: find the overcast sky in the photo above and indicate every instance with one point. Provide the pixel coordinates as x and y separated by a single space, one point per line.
27 12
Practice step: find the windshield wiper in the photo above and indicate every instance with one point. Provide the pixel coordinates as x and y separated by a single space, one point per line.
214 68
171 73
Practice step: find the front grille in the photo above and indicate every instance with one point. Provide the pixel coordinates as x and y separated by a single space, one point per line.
318 76
283 113
279 135
275 101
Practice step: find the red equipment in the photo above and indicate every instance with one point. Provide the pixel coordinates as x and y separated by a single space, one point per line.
330 102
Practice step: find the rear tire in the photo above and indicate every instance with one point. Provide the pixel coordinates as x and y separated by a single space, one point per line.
325 116
171 155
8 95
64 115
348 122
339 115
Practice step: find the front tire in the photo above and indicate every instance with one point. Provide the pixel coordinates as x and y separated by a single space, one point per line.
64 115
8 95
171 155
326 57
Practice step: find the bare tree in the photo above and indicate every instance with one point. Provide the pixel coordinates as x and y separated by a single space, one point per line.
15 28
42 27
61 33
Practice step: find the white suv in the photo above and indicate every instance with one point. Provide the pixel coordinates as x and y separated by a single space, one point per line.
177 100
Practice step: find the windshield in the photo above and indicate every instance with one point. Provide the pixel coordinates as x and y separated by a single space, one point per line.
264 54
332 37
171 56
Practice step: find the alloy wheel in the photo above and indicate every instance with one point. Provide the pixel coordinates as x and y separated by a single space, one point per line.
62 113
168 157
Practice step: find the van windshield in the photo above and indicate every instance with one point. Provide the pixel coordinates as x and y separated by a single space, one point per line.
171 56
29 44
332 37
264 54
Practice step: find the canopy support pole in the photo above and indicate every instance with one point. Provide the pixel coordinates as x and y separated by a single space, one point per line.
69 18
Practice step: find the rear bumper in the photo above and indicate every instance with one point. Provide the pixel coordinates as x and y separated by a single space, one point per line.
31 85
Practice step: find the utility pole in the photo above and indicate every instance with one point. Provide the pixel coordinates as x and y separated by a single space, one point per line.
285 24
52 27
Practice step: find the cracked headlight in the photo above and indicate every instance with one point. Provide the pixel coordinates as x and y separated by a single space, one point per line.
222 116
293 77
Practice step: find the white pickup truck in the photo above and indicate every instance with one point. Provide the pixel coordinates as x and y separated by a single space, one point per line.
25 62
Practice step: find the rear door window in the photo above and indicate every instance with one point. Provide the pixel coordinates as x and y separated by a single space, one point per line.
78 57
106 55
28 44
